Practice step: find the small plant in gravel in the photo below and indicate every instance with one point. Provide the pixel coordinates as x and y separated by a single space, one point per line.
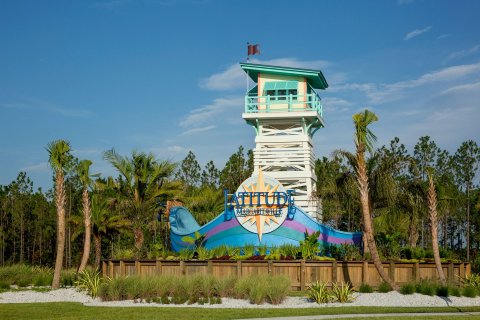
408 288
89 281
276 290
384 287
443 291
342 292
319 292
455 291
469 292
365 288
425 287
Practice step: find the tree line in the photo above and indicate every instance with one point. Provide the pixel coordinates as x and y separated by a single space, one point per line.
388 185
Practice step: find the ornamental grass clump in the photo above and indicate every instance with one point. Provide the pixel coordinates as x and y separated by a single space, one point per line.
427 288
365 288
408 288
342 292
443 291
384 287
90 282
469 292
319 292
277 289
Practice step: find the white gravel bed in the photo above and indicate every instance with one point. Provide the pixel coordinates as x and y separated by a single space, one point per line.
391 299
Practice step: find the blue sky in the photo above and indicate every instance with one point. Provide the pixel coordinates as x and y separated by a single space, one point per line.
162 76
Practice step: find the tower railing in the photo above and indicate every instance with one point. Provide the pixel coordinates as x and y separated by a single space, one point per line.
283 103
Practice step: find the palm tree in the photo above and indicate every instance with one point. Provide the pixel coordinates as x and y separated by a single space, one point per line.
432 210
83 171
364 140
59 160
146 182
105 220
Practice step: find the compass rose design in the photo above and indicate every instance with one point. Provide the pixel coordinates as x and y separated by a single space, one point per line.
266 215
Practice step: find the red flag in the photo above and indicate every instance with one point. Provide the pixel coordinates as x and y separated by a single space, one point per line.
253 49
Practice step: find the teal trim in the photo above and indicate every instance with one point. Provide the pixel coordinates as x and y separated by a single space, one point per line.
280 85
308 102
314 77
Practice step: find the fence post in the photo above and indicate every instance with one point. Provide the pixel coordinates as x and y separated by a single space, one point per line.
468 269
270 266
392 271
122 268
182 267
416 272
365 272
461 270
158 266
137 268
239 269
302 275
104 269
334 271
209 267
451 273
110 265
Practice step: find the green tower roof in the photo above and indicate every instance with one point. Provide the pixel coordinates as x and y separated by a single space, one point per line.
314 77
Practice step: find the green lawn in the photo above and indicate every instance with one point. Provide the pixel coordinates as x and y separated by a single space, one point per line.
64 310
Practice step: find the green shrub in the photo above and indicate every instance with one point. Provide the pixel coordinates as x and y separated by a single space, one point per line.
365 288
289 250
443 291
186 254
408 288
455 291
204 253
384 287
242 287
469 292
262 250
277 289
425 287
42 279
342 292
472 280
4 285
68 278
90 282
319 292
224 287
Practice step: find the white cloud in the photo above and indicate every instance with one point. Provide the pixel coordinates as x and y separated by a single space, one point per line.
463 53
463 88
198 130
333 104
39 167
35 104
443 36
199 116
235 78
416 33
176 149
380 93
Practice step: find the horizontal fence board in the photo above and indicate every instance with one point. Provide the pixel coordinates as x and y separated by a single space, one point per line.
301 273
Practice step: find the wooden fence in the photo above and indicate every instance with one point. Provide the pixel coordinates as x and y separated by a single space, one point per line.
301 273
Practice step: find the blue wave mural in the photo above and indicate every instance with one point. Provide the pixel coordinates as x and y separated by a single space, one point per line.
225 230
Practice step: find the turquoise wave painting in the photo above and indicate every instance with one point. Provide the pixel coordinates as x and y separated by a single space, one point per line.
226 230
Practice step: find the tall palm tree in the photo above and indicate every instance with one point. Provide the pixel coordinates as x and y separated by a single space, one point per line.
432 210
59 160
83 171
146 182
364 140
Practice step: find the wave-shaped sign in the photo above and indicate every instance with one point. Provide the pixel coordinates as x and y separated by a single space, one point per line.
260 212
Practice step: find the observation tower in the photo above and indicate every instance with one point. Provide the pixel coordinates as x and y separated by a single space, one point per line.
285 112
